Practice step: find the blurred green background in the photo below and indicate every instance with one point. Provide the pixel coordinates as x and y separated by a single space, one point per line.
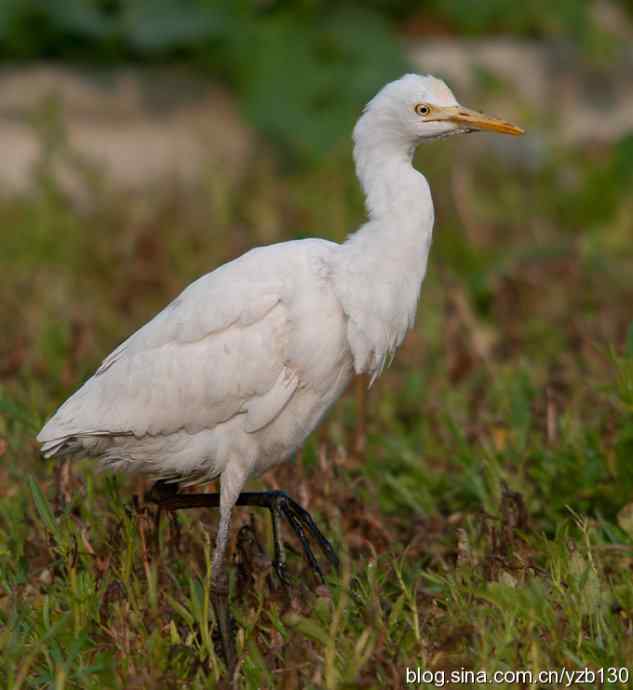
482 493
329 57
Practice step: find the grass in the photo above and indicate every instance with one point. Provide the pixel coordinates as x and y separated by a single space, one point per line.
481 496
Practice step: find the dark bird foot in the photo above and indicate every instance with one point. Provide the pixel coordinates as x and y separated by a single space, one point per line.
166 497
301 523
281 506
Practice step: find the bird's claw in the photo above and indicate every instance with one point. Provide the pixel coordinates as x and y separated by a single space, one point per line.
300 520
282 572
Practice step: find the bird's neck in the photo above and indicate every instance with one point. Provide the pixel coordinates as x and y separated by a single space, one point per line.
386 175
385 260
397 236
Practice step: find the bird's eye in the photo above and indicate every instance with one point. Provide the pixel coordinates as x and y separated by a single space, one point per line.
422 109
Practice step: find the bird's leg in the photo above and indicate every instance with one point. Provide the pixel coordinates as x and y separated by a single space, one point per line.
280 505
220 593
161 490
167 498
279 559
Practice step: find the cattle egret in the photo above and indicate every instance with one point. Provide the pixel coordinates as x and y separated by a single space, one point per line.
229 379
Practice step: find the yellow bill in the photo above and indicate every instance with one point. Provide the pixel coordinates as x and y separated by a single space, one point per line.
475 120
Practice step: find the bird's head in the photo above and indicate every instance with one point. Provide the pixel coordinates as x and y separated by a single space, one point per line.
414 108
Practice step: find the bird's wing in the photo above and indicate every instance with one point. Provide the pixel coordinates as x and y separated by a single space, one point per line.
217 350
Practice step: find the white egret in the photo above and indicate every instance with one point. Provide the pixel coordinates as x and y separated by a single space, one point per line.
229 379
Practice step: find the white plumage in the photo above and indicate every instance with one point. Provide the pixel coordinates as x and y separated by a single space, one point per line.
230 378
237 369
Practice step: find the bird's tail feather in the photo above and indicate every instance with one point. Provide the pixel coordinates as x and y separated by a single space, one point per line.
60 447
88 442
